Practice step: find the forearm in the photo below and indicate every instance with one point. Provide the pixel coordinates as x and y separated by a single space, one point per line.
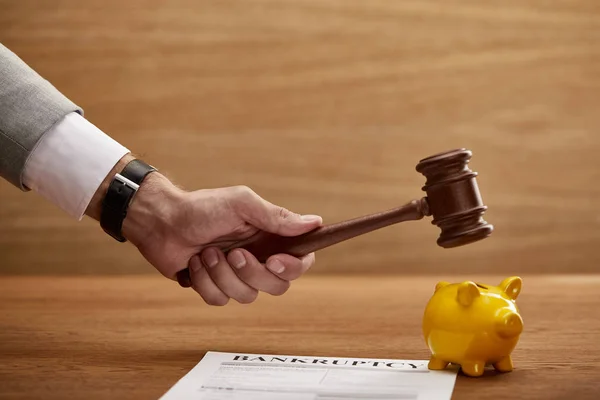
29 107
73 166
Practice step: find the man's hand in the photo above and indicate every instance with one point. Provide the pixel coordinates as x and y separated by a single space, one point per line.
174 229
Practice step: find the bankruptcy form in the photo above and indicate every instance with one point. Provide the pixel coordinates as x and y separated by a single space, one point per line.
233 376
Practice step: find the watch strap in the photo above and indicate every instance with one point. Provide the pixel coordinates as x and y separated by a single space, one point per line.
120 193
136 170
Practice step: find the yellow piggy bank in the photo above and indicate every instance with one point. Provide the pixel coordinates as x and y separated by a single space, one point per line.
473 325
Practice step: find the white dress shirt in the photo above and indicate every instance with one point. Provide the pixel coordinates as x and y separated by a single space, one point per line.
70 162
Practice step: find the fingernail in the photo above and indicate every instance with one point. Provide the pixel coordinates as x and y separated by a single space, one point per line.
237 259
210 258
195 264
276 266
310 218
306 261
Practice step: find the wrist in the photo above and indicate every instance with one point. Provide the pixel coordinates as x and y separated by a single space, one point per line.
153 209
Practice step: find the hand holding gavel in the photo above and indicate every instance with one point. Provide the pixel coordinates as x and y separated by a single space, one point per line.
453 199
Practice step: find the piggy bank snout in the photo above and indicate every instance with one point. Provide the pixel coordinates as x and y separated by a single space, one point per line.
509 325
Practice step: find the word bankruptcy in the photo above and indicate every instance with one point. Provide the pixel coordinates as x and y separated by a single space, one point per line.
328 361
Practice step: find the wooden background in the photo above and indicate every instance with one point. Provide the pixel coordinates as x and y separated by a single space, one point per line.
326 106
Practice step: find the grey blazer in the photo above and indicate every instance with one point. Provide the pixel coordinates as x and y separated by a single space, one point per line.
29 106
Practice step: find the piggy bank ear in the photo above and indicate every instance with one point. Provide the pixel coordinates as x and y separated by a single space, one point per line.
511 286
440 285
467 292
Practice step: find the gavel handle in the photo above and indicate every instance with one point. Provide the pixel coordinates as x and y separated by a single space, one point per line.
263 244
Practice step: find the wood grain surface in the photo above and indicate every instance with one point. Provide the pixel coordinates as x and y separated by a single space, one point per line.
134 337
326 106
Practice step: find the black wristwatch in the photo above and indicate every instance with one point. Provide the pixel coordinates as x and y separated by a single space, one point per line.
119 195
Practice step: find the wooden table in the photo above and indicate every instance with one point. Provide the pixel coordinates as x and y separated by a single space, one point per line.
134 337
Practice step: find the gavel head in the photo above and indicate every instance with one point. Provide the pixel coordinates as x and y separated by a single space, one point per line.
453 198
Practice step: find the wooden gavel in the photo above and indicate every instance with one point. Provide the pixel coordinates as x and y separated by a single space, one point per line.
453 199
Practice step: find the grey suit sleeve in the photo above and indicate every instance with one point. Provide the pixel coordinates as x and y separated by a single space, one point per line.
29 107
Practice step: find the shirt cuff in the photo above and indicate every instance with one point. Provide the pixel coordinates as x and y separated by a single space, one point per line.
70 162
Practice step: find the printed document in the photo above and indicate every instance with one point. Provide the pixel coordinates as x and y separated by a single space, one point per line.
233 376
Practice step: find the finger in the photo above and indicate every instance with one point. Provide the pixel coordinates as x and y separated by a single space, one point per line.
289 267
223 276
269 217
204 285
255 274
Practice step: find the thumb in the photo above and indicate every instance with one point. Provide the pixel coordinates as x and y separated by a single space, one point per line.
275 219
284 222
